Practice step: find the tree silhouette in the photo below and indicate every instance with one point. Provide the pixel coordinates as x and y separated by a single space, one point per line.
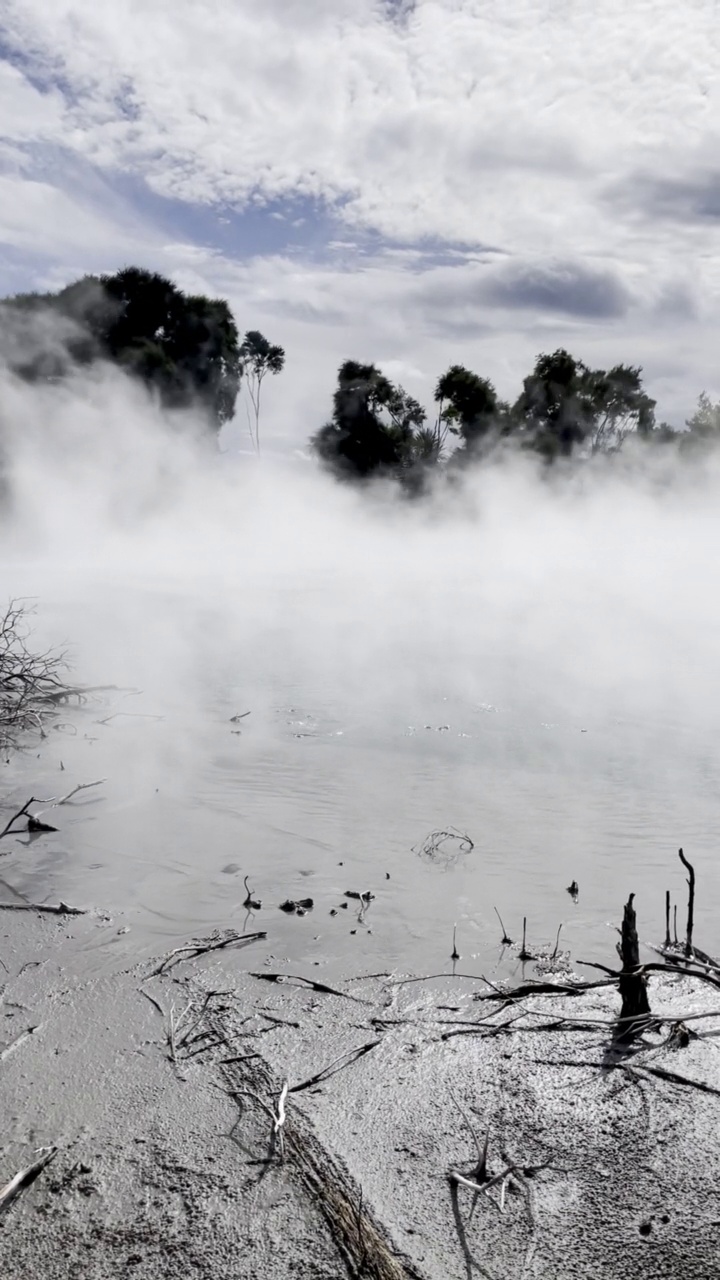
564 404
258 358
468 405
376 428
185 348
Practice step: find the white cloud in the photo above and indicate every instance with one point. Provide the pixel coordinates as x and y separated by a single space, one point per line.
489 122
576 141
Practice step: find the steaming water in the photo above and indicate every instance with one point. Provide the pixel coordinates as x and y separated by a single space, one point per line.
310 797
534 665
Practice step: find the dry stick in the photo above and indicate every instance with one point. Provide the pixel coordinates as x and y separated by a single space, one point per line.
14 1044
61 910
506 941
667 918
551 988
524 953
337 1064
53 802
24 1178
153 1001
56 801
557 942
201 948
309 982
672 1076
675 923
691 902
481 1170
455 953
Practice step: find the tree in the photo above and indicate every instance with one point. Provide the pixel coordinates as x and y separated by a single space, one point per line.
565 405
183 347
258 358
704 425
620 406
468 405
376 429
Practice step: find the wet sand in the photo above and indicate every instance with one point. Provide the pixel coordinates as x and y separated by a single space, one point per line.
167 1164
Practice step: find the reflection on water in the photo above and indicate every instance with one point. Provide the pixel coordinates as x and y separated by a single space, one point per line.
311 800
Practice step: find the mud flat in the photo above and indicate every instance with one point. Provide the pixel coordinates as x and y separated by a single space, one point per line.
206 1117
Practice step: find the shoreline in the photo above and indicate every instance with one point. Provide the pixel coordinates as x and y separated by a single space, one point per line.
160 1086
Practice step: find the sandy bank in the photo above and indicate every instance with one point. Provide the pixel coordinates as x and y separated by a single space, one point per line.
166 1168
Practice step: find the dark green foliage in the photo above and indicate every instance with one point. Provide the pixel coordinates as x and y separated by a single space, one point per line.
376 429
565 405
183 347
469 405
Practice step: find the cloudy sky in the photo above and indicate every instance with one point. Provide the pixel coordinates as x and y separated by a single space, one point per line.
416 184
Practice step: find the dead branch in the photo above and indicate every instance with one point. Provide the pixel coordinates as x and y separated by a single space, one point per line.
33 821
55 801
25 1178
15 1044
153 1001
31 686
444 847
673 1077
691 902
202 946
506 941
311 983
62 909
338 1064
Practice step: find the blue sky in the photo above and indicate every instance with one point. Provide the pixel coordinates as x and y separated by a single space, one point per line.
418 185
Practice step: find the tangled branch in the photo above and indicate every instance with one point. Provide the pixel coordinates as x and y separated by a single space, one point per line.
31 683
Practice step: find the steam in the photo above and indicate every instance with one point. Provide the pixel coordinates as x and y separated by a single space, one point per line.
163 560
517 609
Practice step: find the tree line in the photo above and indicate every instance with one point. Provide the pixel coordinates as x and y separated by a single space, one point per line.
188 351
184 347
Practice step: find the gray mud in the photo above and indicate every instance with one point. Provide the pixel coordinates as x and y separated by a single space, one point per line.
167 1168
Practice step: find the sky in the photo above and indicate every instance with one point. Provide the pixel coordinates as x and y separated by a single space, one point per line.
411 183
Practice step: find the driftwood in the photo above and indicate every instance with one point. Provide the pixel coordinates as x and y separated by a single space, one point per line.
311 983
24 1178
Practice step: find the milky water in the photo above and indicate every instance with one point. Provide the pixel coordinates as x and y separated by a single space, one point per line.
310 797
530 660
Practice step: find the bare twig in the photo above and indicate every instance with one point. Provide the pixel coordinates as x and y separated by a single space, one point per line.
15 1044
506 941
322 987
338 1064
202 946
25 1178
524 953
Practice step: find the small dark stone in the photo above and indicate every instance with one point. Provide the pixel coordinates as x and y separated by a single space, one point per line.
288 906
645 1227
